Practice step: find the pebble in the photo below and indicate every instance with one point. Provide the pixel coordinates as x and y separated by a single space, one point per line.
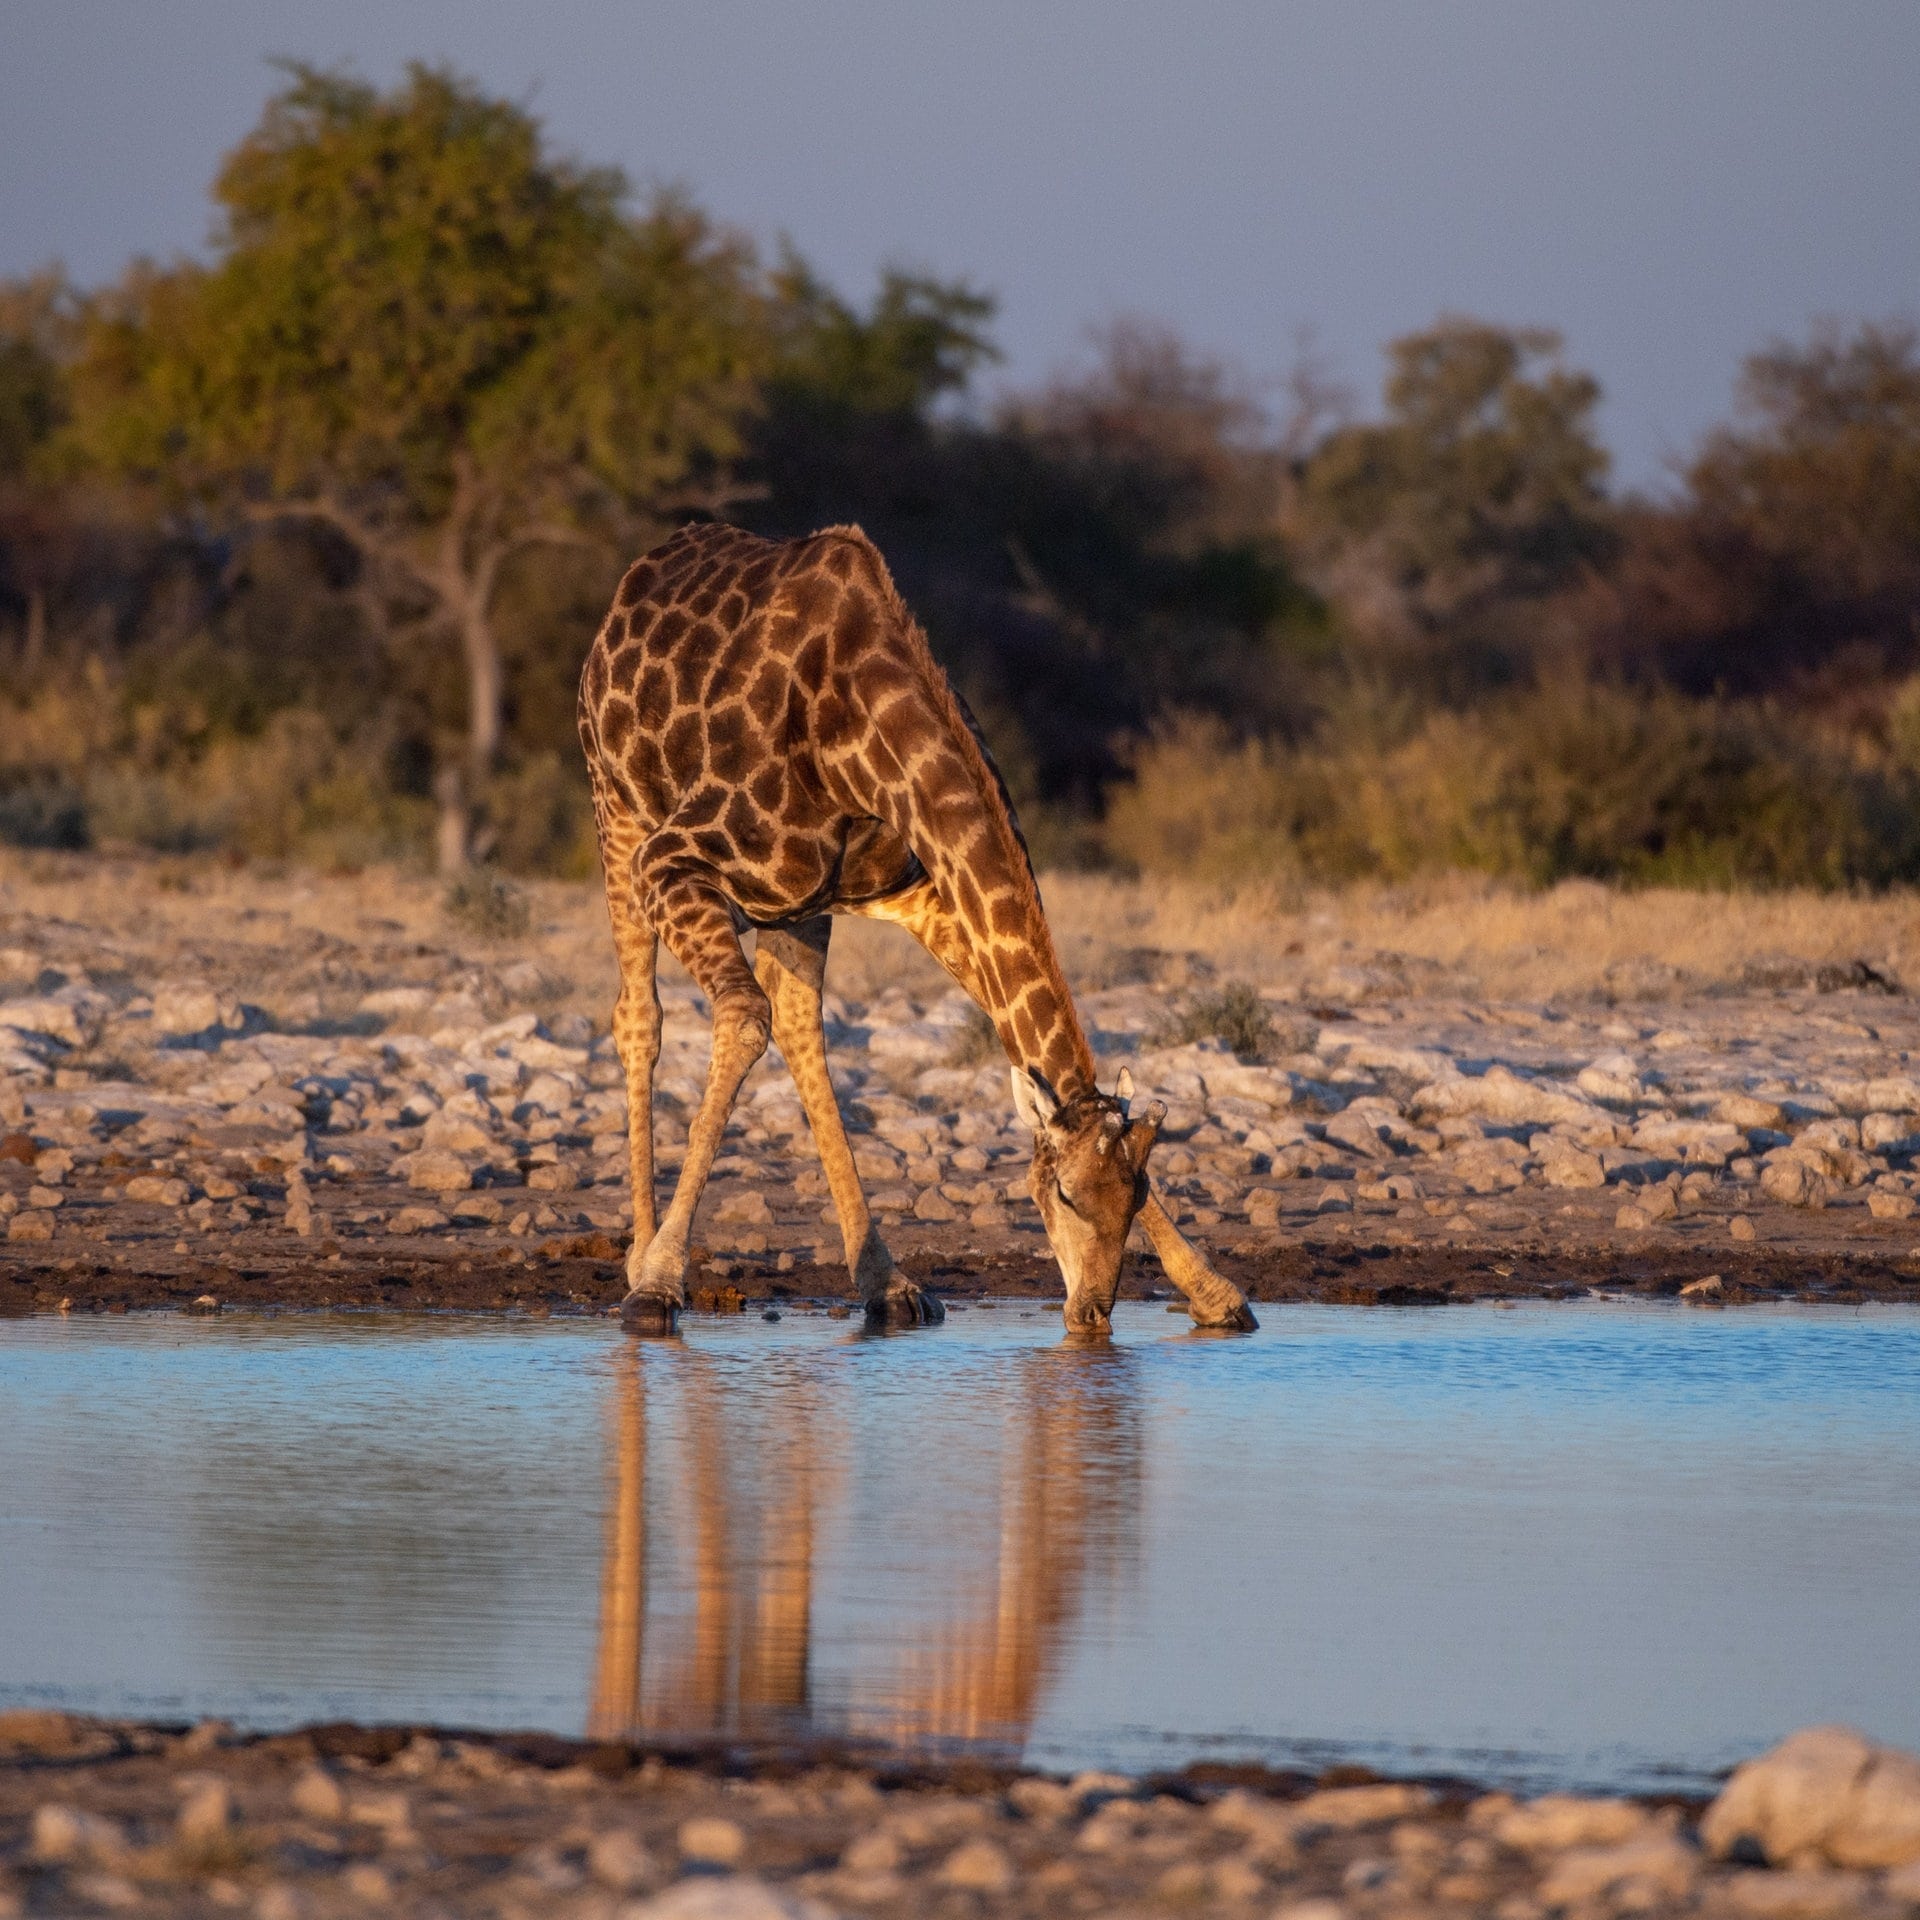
618 1860
317 1795
981 1866
712 1842
206 1810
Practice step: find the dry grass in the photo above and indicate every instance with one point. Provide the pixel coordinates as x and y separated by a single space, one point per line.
1459 936
1465 934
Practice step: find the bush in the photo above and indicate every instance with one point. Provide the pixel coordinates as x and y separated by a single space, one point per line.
976 1043
40 808
488 905
1234 1013
1570 779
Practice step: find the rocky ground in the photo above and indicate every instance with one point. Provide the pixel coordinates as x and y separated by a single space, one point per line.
223 1086
105 1817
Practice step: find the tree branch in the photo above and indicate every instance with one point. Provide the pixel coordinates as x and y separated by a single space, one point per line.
358 532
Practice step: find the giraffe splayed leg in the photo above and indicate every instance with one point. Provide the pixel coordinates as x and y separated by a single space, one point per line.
790 964
698 929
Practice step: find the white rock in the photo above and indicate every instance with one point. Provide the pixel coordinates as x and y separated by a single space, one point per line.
207 1810
433 1170
1745 1111
1648 1871
1810 1894
62 1833
1347 1809
1826 1792
157 1189
979 1865
1613 1079
1791 1181
1560 1820
1562 1165
730 1897
1501 1094
711 1841
1359 1133
316 1795
188 1007
618 1860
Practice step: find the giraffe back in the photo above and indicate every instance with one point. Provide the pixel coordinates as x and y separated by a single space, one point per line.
772 705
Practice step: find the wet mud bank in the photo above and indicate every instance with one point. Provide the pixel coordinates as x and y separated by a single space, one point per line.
104 1816
583 1274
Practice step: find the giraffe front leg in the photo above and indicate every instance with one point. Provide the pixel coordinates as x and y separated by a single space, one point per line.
791 965
1212 1299
693 917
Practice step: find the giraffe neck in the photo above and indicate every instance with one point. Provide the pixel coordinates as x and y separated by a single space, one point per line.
1002 949
1030 1004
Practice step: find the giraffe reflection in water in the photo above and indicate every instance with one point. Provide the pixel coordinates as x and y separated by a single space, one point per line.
757 1583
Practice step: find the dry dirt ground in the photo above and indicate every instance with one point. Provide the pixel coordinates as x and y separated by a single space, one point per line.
105 1817
225 1085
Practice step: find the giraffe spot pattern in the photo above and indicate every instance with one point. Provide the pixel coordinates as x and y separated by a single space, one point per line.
768 736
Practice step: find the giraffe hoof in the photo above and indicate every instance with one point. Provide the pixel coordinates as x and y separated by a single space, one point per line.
650 1315
903 1305
1240 1320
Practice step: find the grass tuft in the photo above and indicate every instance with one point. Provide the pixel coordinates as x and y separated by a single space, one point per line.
1234 1013
976 1044
488 905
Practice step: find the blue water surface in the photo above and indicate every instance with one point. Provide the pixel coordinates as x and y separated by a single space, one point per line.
1587 1544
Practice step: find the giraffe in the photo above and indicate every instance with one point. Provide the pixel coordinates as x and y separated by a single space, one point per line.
770 742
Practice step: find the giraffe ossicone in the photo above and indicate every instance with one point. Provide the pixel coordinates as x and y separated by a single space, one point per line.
771 743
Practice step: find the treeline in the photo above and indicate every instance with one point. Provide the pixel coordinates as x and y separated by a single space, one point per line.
300 548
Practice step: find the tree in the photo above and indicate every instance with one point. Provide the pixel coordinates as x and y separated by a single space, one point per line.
1793 558
1824 464
426 332
1482 483
37 318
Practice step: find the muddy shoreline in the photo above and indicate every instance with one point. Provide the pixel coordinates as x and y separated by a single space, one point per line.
582 1274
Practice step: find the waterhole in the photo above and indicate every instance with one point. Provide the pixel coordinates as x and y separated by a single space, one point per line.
1571 1545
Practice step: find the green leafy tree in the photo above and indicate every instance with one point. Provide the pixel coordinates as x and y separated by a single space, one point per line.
37 320
428 332
1483 481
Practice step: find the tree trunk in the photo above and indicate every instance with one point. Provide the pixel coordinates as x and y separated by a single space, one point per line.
35 649
459 791
486 690
450 848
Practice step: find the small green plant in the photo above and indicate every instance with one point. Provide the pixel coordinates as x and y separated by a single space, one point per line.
1234 1013
488 905
976 1043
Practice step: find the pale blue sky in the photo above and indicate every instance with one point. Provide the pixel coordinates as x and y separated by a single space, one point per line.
1670 182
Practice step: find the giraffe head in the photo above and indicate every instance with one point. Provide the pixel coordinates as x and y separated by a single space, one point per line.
1089 1178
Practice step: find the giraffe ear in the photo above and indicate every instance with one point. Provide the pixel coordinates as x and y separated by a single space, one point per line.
1142 1133
1123 1087
1033 1100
